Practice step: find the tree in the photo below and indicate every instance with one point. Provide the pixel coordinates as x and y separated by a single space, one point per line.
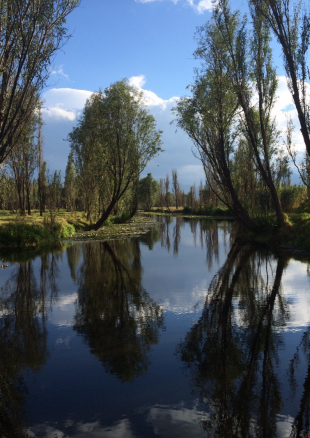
120 325
148 190
23 162
31 32
191 197
161 193
121 135
41 165
291 26
167 193
54 190
251 69
176 187
209 117
70 183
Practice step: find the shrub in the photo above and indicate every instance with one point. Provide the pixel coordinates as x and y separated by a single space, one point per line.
292 197
21 234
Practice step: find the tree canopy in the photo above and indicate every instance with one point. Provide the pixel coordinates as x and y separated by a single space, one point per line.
31 32
115 139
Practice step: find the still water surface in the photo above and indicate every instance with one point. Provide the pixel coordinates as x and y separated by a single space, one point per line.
178 333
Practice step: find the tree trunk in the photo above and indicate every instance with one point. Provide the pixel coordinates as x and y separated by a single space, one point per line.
105 215
28 201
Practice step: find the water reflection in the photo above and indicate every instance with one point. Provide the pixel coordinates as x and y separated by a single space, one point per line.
115 315
246 348
170 229
23 338
231 352
302 420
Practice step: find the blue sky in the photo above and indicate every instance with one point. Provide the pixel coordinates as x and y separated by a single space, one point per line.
149 42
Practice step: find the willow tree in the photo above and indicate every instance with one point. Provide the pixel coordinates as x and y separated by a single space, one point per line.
233 99
254 81
209 118
31 32
23 162
117 137
290 23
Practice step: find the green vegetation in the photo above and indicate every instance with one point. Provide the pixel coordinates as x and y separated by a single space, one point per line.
31 34
115 139
36 231
229 117
230 113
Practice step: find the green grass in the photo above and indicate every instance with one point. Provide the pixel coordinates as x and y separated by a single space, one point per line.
36 232
33 231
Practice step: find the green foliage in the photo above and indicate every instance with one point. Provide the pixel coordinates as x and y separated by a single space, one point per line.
115 139
293 198
31 32
123 339
21 234
70 183
147 192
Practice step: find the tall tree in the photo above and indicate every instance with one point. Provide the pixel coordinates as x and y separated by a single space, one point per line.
23 162
148 191
70 183
290 23
167 193
209 117
124 139
176 187
41 165
31 32
251 64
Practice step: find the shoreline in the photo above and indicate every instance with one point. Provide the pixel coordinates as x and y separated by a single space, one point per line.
294 239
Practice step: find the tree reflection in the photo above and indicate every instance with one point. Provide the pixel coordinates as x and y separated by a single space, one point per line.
164 229
116 316
177 234
231 352
208 230
301 425
22 340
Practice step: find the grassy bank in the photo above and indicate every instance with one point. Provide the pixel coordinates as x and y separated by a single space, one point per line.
216 212
293 236
36 231
33 231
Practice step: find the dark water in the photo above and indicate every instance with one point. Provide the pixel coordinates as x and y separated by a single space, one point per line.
178 333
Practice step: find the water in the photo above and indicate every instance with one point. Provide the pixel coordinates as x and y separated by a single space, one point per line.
177 333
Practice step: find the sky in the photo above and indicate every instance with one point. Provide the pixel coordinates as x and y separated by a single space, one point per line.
150 43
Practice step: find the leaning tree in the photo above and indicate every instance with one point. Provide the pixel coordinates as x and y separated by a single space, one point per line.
115 139
31 32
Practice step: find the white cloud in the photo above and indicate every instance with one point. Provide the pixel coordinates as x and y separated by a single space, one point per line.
151 1
183 421
60 72
285 108
150 98
59 113
121 429
201 6
63 104
137 81
66 98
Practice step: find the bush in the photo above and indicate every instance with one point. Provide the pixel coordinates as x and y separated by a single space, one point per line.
292 197
21 234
